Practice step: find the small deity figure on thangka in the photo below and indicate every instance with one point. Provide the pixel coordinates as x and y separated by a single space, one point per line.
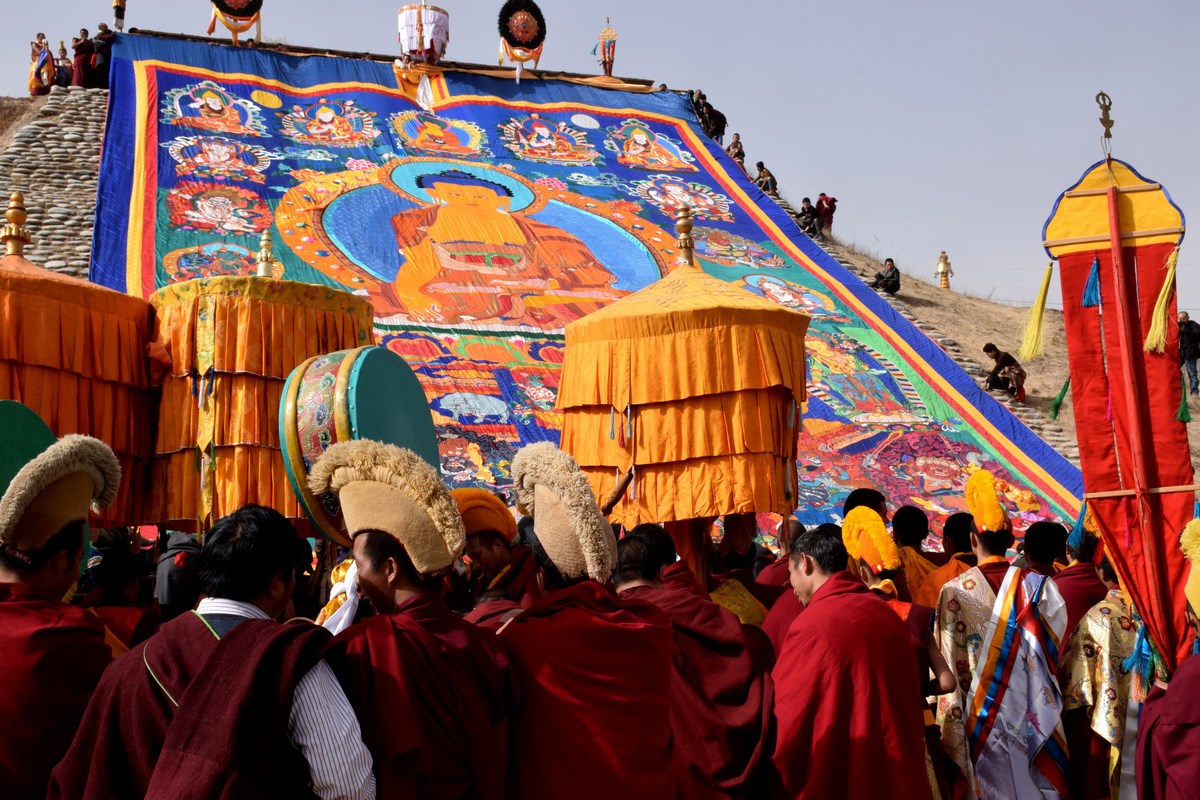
217 208
218 158
638 146
533 138
208 106
330 123
429 134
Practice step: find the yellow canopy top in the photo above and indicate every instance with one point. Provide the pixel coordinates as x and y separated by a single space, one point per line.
687 335
1080 222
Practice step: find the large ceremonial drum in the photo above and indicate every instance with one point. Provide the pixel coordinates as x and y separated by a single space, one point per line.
424 32
233 341
365 393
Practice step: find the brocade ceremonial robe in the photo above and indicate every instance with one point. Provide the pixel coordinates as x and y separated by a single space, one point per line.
721 698
594 720
51 658
1096 693
1168 749
848 700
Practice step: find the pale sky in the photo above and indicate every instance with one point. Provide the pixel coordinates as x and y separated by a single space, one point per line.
938 125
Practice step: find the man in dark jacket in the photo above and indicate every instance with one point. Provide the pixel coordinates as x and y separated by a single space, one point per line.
177 584
889 279
1007 376
1189 349
809 220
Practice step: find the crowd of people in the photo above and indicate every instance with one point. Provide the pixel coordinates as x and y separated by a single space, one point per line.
87 68
564 656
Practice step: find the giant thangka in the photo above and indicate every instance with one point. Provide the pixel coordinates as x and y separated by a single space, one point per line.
479 230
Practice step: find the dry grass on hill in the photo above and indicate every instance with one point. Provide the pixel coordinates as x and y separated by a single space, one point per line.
12 111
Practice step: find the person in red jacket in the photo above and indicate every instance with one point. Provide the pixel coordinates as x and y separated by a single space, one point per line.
826 206
53 653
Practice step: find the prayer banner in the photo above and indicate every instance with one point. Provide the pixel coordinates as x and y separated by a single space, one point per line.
479 230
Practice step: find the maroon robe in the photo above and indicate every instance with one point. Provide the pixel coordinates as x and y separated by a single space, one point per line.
520 579
779 619
994 572
228 735
1081 589
432 693
594 720
848 700
775 573
680 576
721 697
493 614
51 658
1168 743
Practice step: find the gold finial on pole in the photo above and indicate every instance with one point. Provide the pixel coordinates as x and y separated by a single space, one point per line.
1105 103
15 235
266 255
683 226
943 271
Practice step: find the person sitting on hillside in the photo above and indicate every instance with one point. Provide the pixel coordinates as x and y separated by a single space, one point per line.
809 220
1007 375
736 151
889 279
765 180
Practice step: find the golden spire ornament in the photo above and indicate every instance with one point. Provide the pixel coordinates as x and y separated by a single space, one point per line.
14 234
683 227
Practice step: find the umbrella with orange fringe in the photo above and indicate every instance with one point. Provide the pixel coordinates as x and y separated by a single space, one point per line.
232 343
692 387
76 353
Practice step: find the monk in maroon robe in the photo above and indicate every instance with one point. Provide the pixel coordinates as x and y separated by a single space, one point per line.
594 719
1080 583
433 692
848 689
1167 762
721 695
53 657
498 559
51 654
776 573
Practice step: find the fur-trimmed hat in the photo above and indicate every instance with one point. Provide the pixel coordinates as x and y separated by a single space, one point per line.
566 519
866 539
47 483
1189 542
483 511
386 488
983 502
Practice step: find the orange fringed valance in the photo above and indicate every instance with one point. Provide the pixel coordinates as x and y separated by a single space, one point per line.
702 487
233 342
687 335
75 353
759 421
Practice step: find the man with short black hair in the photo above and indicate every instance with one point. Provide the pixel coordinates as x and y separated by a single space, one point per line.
809 220
721 697
1007 374
889 279
848 689
956 541
765 180
1045 546
776 573
910 527
51 654
225 701
1189 349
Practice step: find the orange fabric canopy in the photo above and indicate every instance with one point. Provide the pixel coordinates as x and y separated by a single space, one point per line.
75 353
696 385
233 341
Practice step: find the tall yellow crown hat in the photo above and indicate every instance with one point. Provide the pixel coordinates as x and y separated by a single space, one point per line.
1189 542
866 539
983 502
